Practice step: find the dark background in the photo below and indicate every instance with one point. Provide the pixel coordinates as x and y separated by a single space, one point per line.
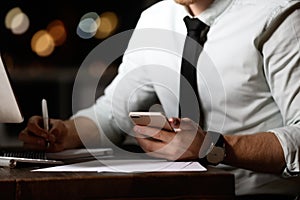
34 77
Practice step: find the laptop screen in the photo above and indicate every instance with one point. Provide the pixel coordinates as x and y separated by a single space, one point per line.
9 109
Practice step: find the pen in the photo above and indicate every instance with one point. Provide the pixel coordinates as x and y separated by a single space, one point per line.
7 162
45 118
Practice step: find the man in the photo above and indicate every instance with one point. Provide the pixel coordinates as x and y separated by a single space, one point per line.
248 80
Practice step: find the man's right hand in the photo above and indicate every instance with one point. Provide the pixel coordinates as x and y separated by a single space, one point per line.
35 137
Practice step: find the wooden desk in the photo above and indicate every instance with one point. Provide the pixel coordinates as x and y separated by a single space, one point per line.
23 184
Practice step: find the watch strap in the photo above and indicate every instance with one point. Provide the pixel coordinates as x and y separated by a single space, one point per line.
211 141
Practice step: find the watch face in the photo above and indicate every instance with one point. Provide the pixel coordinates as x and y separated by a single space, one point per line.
216 155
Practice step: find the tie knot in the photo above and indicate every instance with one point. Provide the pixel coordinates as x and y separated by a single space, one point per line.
197 30
194 24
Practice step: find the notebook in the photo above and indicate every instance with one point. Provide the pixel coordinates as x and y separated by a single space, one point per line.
12 158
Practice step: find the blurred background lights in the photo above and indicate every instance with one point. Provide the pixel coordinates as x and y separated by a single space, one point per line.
42 43
88 25
17 21
57 31
109 23
69 32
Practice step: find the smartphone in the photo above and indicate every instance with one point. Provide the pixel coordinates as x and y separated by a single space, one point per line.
152 119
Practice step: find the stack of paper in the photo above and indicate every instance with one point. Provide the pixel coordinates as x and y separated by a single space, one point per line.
126 166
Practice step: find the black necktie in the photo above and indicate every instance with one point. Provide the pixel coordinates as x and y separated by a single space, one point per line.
189 98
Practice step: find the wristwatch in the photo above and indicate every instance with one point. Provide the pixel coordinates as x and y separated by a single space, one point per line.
212 151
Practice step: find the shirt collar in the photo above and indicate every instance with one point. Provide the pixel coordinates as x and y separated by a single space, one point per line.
213 11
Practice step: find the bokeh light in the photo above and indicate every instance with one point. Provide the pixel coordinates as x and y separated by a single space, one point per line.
17 21
10 16
108 25
57 31
88 25
42 43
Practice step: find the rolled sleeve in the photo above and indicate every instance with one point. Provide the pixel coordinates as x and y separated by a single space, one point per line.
282 69
289 139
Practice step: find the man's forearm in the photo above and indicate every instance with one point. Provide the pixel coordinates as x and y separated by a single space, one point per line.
82 132
258 152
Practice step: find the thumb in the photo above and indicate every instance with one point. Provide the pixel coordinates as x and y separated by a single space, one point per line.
188 124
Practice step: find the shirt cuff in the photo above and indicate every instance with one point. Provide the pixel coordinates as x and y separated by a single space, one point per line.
290 143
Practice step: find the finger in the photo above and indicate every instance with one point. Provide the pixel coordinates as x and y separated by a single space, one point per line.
157 155
156 149
149 145
55 147
145 131
51 138
188 124
54 132
157 134
34 126
35 122
57 128
31 146
175 122
31 139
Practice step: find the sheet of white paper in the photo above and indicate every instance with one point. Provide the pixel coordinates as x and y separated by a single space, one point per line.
126 166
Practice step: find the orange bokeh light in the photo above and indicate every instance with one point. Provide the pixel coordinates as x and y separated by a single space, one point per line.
108 24
57 31
42 43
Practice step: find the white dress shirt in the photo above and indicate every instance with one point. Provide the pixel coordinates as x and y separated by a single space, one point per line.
243 90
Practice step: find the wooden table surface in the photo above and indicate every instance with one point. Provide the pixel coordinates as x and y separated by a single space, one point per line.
21 183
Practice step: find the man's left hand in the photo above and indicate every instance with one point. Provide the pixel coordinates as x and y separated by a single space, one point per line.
184 144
